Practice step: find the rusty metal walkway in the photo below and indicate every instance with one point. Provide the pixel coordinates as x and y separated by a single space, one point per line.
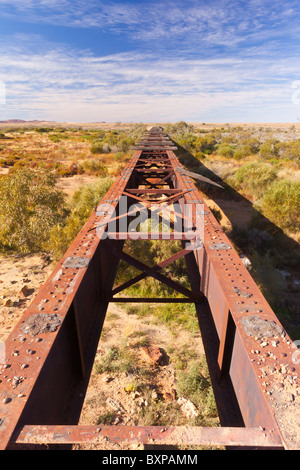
49 355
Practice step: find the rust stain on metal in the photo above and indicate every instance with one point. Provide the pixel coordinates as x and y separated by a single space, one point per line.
76 262
41 323
255 326
220 246
159 435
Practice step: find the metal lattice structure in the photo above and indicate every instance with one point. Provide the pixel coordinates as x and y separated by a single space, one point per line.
49 355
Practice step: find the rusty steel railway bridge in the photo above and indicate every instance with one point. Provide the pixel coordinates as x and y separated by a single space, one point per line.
50 353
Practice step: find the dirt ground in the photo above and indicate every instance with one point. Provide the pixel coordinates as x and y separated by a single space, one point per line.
127 398
71 184
20 279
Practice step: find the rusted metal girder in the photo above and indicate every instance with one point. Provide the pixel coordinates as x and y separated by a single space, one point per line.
149 435
49 354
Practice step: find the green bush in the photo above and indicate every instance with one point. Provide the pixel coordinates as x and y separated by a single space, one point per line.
244 150
178 130
117 360
273 148
205 144
124 144
54 138
42 130
30 205
290 151
269 149
226 150
254 178
83 203
281 204
97 147
95 167
187 141
195 385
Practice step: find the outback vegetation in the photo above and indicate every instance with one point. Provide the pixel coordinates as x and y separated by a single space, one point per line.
259 208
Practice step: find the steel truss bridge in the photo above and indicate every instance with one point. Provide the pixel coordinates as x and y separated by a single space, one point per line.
50 353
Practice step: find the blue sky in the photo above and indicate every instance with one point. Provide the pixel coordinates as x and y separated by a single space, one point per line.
142 61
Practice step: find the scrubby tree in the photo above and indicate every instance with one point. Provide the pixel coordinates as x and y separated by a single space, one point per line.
84 201
269 149
30 205
281 204
205 143
255 178
226 150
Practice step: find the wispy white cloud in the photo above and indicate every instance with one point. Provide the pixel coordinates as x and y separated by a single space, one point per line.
75 85
191 60
195 22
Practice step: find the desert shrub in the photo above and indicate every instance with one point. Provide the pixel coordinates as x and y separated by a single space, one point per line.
119 156
281 204
88 197
65 171
97 147
112 136
98 134
176 315
178 129
187 141
43 130
192 380
30 205
254 178
273 148
8 161
269 149
124 144
116 360
54 138
205 144
83 203
226 150
290 150
251 145
194 384
239 153
106 148
137 131
95 167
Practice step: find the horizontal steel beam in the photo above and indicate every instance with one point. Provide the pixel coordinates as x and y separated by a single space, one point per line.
153 191
158 435
155 300
154 148
187 236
